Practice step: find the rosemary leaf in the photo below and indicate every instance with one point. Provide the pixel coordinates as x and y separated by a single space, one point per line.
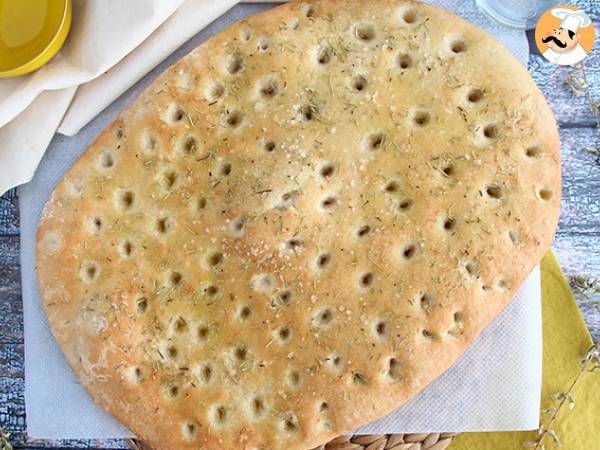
4 444
587 290
554 437
579 86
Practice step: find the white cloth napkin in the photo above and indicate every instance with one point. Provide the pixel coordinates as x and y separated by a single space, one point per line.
23 140
495 386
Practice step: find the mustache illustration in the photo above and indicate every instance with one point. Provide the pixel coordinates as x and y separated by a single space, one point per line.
556 41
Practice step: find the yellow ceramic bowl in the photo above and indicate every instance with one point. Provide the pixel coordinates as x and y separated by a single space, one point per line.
31 33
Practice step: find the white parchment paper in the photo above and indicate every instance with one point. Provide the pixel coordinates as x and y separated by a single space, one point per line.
495 386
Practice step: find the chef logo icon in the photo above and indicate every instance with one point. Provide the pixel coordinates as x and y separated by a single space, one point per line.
564 35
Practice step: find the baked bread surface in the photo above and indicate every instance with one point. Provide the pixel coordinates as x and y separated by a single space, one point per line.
299 225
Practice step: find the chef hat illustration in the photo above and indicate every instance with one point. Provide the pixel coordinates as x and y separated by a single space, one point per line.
571 20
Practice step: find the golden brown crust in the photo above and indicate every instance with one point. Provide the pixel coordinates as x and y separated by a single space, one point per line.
299 225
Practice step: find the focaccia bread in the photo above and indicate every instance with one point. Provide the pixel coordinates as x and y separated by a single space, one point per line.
299 225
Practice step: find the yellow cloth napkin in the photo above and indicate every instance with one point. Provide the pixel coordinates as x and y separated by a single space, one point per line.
566 341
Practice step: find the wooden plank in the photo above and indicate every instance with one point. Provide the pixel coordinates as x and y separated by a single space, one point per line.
567 108
578 254
9 214
10 272
94 444
64 444
11 326
592 318
581 181
11 318
12 403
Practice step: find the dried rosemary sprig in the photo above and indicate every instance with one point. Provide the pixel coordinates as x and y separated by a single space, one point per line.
578 83
137 445
587 290
589 363
595 151
4 444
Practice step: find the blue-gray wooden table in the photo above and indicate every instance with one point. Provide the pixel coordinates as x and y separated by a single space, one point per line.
577 243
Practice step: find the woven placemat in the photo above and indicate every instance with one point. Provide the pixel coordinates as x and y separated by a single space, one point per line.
410 441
